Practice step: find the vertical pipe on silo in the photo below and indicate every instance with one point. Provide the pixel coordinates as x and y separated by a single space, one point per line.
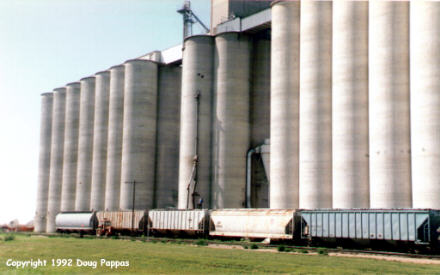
232 129
390 164
85 144
115 130
425 103
44 162
167 147
350 104
56 158
100 135
284 106
197 78
70 160
139 136
315 168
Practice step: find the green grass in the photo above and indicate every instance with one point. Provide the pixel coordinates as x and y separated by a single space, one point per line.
169 258
9 237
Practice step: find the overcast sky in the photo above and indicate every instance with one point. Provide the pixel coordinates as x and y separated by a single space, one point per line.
45 44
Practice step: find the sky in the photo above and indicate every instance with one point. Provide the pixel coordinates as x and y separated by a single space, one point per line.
45 44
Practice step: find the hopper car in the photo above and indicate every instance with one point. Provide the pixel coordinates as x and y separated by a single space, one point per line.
401 229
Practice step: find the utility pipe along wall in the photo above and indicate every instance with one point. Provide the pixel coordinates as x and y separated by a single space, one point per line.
139 134
114 145
44 161
100 136
85 144
284 106
68 193
196 119
56 159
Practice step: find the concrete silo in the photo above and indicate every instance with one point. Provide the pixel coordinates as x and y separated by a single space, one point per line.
85 144
115 129
56 157
315 168
284 105
196 119
425 103
100 135
167 146
350 104
232 129
44 161
139 135
389 124
70 159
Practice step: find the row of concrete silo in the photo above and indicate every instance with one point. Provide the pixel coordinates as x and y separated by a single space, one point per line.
345 90
105 132
353 124
225 112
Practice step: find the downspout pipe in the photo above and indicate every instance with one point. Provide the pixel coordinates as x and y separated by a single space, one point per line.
250 153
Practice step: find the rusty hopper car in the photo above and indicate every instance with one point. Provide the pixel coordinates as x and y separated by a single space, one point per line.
122 222
270 224
181 222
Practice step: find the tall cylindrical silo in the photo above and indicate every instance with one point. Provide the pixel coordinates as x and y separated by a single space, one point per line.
389 123
315 168
196 113
100 135
114 147
232 129
139 137
284 106
425 103
167 146
85 144
70 159
350 105
56 158
44 161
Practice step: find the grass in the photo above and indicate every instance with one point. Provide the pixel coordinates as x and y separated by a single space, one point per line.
169 258
254 246
322 251
9 237
201 243
281 248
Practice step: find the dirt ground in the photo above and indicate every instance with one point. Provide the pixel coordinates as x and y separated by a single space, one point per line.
335 254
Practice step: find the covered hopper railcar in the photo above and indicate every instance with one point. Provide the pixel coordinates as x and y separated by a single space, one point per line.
273 224
122 222
78 222
179 222
404 228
